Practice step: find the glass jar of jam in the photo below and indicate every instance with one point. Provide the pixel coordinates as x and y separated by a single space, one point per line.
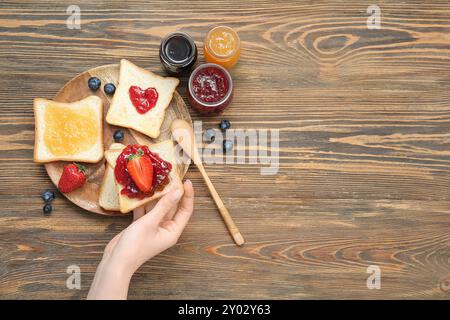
222 46
177 52
210 88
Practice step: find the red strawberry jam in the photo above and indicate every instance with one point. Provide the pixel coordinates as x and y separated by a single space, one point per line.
161 170
210 84
143 100
210 88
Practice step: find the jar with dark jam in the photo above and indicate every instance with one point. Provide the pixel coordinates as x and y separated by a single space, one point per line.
210 88
177 52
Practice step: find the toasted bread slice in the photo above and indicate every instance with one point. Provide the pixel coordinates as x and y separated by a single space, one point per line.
123 113
109 197
165 151
116 145
68 131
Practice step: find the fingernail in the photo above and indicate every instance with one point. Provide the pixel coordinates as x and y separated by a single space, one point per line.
176 195
188 181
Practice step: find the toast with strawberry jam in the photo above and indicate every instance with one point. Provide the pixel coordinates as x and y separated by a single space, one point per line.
143 173
141 99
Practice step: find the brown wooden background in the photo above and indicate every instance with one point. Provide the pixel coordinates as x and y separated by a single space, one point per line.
364 120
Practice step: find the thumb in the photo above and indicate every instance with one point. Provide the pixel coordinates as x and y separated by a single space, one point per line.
164 205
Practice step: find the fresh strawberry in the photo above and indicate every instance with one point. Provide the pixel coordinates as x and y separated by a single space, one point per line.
73 177
140 168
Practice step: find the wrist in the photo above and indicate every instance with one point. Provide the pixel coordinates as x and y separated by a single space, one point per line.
116 269
111 281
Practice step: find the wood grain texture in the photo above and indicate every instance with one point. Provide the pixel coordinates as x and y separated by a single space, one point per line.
364 176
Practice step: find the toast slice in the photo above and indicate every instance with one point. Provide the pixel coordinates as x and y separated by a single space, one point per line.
116 145
165 151
123 113
109 197
68 131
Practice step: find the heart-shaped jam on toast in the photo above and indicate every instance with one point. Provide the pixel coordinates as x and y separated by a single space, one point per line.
143 100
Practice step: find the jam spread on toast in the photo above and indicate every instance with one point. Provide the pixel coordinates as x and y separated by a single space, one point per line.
161 170
68 131
143 100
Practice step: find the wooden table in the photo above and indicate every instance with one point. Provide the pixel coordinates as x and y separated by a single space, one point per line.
364 174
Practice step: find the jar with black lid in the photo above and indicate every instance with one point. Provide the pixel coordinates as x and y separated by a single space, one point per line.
178 52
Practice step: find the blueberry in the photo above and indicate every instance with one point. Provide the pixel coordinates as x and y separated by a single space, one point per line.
227 145
48 196
109 88
47 208
209 135
94 83
118 135
224 125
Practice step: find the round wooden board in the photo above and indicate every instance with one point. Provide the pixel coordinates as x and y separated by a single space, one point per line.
76 89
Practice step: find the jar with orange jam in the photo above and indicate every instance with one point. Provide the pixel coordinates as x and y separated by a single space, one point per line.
222 46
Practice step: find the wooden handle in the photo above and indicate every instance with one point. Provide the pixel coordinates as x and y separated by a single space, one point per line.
183 134
231 226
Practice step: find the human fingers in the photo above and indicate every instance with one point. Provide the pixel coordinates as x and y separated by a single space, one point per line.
138 213
164 206
185 209
169 215
149 206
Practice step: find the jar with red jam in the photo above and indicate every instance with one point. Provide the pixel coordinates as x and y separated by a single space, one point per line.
210 88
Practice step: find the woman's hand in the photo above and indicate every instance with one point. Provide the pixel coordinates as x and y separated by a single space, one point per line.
148 235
